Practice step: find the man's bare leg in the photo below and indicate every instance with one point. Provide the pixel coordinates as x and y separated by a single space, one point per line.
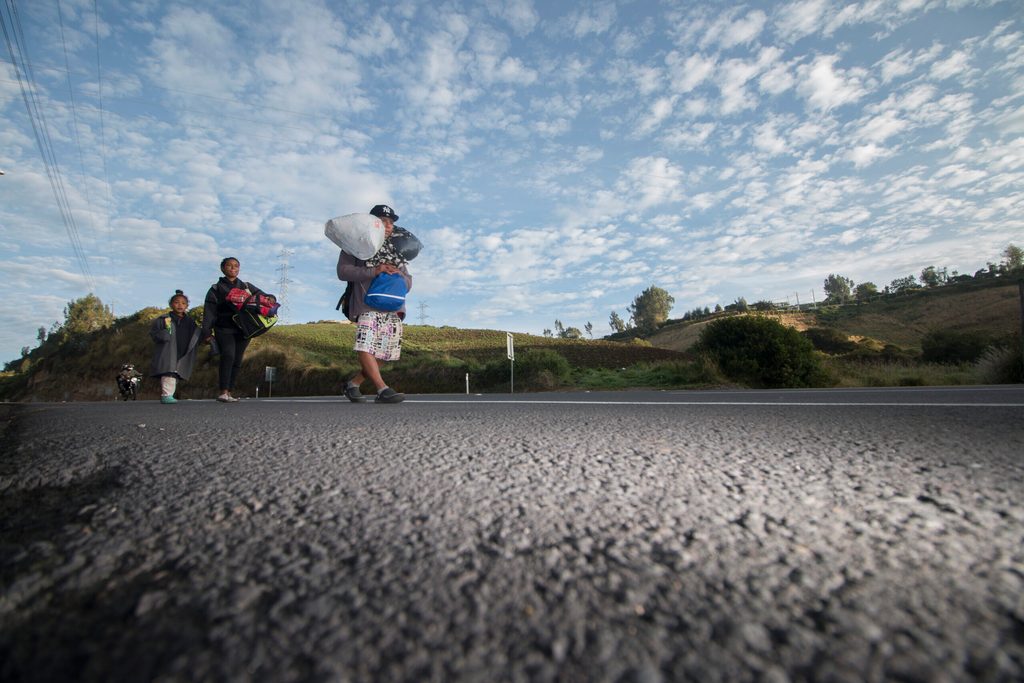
371 370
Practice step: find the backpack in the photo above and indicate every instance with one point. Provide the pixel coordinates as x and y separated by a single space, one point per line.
345 301
387 292
256 315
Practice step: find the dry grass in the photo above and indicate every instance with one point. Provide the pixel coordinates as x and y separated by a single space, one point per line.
992 308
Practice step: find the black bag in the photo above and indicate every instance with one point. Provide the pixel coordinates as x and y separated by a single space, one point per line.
257 315
406 244
344 301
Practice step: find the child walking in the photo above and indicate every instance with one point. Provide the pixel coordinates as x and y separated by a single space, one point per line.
177 339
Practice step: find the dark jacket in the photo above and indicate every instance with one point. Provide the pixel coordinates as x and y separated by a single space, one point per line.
218 311
351 269
177 340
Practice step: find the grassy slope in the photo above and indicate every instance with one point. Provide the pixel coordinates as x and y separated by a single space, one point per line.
331 344
989 307
315 358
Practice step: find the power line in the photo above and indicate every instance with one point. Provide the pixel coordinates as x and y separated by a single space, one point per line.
99 97
15 40
74 116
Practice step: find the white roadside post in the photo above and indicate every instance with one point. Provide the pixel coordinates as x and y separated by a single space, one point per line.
467 384
268 374
511 348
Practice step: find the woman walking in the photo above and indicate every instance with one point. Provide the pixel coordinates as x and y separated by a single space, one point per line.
222 304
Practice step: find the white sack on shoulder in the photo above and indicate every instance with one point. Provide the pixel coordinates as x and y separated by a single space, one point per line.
360 234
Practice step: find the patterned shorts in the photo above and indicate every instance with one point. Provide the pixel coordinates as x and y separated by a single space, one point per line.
379 334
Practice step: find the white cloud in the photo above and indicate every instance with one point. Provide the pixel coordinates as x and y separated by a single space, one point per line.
686 73
826 87
956 64
766 139
693 136
798 19
865 155
728 32
696 106
734 75
194 52
1011 121
492 64
651 182
882 127
595 19
660 110
777 80
520 14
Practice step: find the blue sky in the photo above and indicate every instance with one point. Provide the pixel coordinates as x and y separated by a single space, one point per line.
555 158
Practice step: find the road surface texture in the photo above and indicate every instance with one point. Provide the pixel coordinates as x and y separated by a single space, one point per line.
636 536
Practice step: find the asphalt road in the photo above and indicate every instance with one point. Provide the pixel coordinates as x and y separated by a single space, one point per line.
861 535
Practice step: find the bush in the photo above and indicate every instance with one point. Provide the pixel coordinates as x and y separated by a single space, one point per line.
542 369
1001 364
829 340
952 346
761 352
536 370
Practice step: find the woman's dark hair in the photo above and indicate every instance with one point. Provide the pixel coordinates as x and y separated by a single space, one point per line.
177 293
229 258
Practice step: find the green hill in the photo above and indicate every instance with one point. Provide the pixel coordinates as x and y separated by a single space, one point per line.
315 359
990 307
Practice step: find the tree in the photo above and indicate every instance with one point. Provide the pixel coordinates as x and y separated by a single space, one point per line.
932 277
547 332
616 323
838 289
1014 258
86 315
572 333
865 291
739 305
559 329
718 308
651 308
589 327
41 334
903 284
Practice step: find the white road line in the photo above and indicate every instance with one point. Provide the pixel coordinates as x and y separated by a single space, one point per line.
670 403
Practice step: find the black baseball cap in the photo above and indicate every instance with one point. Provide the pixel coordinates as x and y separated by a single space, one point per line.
384 211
